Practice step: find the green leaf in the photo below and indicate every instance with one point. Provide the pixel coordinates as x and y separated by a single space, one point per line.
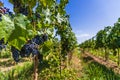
6 27
47 46
23 31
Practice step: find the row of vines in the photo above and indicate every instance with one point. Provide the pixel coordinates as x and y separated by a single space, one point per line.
106 43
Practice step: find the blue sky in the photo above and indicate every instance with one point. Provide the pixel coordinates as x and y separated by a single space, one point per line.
87 17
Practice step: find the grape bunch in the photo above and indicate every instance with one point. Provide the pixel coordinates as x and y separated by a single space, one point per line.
32 45
15 54
16 3
23 10
40 57
19 8
5 10
36 17
45 37
37 40
2 44
25 50
30 48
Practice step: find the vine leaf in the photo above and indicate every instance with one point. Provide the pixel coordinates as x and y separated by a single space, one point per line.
47 46
22 32
6 27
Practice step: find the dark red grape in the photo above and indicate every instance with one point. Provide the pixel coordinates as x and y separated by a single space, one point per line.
15 54
45 37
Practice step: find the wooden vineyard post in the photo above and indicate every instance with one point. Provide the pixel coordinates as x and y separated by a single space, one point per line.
118 57
60 64
35 60
60 61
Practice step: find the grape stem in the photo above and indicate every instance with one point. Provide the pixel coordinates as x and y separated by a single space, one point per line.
35 60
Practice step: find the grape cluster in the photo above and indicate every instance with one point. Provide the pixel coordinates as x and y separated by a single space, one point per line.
45 37
2 44
25 50
37 40
19 8
4 10
23 10
15 54
16 3
40 57
30 47
36 17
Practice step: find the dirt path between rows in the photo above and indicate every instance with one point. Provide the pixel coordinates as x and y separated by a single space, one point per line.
109 64
8 64
4 69
76 64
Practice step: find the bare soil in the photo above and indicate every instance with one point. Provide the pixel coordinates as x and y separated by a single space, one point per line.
7 64
76 64
109 64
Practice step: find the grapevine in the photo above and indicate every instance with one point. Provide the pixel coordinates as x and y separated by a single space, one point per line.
106 40
29 30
